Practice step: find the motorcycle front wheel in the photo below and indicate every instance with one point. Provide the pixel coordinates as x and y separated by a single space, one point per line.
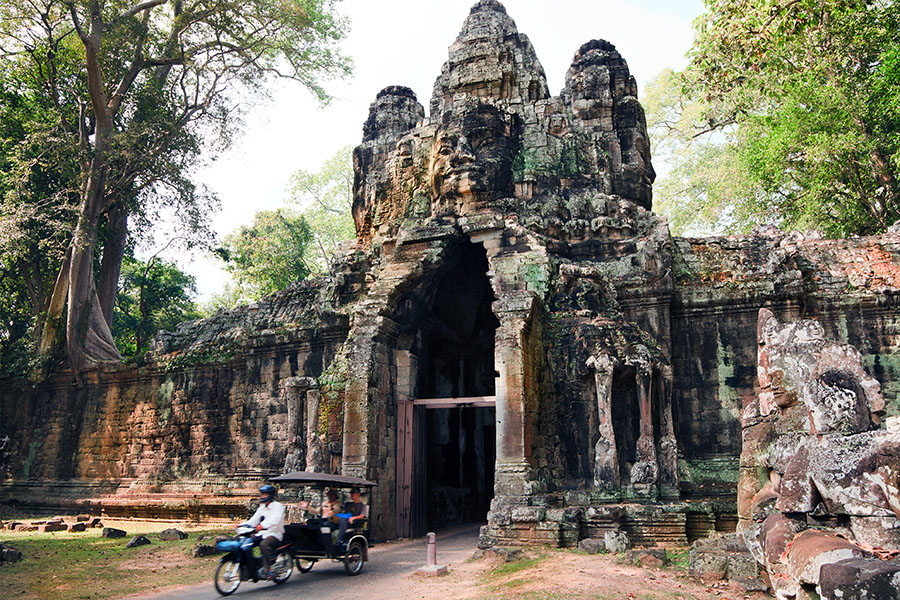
228 576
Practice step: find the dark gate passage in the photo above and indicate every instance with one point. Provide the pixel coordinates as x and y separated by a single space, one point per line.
456 439
460 464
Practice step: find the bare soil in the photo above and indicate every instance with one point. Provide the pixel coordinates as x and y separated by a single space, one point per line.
558 575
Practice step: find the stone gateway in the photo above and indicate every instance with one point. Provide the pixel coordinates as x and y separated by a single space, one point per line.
513 336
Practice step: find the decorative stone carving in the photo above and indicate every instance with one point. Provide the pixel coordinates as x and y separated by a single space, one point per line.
606 459
812 429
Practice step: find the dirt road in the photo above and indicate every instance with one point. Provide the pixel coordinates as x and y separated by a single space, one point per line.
389 566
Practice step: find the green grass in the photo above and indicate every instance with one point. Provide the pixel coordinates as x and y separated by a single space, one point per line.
84 566
515 566
679 559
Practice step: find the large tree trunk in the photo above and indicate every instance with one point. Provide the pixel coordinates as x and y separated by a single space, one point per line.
49 329
89 341
111 265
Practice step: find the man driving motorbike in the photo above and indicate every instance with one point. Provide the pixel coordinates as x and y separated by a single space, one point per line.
268 522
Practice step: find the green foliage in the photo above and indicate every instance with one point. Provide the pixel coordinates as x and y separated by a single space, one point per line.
268 255
152 295
787 114
107 107
38 169
325 199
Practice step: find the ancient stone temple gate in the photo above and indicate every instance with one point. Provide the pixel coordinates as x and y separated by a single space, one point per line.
514 334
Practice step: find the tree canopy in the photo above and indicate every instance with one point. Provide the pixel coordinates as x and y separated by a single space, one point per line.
153 295
325 199
108 107
269 255
787 114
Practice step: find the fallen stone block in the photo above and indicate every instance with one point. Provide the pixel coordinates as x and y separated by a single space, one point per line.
592 546
860 578
507 554
201 550
11 526
707 566
112 532
648 557
51 526
80 518
8 554
76 527
95 522
616 542
813 548
136 541
23 527
172 535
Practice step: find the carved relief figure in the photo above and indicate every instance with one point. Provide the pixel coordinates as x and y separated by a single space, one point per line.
471 159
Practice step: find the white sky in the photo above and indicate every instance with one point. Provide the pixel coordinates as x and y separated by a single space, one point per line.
404 42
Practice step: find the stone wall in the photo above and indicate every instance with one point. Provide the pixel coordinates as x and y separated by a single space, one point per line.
212 406
849 286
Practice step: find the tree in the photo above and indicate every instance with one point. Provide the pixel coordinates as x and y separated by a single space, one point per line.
153 295
803 94
326 199
269 255
155 78
705 173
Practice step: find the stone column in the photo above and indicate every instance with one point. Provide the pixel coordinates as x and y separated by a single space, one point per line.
513 469
315 461
295 394
645 471
667 447
606 458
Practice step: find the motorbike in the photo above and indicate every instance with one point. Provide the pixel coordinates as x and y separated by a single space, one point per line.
241 563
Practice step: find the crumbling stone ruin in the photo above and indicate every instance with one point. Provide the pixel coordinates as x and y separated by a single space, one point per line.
514 334
819 494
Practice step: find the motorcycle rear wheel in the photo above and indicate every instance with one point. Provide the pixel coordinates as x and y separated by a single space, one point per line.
305 565
283 566
228 576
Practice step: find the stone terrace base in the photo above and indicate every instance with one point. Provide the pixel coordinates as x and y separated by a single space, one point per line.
197 500
562 520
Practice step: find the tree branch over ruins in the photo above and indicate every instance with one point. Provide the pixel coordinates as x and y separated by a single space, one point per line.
138 88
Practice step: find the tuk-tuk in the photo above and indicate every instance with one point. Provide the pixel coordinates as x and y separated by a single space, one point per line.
314 538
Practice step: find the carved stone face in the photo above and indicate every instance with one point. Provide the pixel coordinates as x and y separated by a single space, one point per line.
472 155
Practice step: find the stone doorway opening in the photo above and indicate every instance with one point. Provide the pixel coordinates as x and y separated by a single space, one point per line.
449 451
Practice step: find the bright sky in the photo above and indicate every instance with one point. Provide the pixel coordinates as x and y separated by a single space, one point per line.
404 42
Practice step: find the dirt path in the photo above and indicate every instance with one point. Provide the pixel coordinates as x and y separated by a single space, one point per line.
544 574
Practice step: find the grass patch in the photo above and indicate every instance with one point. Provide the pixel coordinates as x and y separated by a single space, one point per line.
509 568
679 559
85 566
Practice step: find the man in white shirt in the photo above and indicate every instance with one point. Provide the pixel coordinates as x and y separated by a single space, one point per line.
268 520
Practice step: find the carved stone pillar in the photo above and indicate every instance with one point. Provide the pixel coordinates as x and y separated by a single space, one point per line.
667 447
513 469
295 391
315 461
645 471
606 458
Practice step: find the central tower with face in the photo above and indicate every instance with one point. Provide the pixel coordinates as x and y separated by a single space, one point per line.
471 158
502 232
